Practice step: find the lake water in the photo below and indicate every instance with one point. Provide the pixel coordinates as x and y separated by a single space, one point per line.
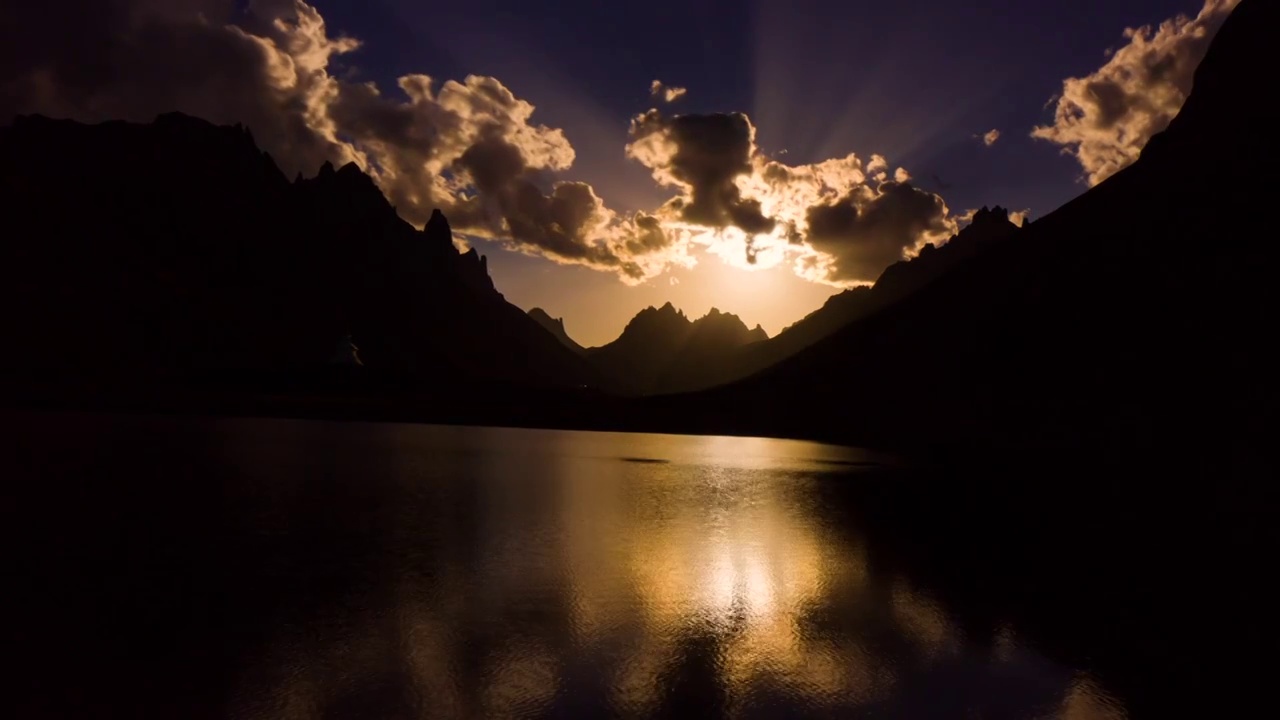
185 568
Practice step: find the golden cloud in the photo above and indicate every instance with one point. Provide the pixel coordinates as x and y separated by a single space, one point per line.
472 148
1106 118
839 221
666 93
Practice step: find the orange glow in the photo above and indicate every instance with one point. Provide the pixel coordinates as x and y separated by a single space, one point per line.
596 307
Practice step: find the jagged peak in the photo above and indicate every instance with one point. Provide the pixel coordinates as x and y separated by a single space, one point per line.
990 214
544 315
326 169
667 310
473 256
718 315
668 313
438 227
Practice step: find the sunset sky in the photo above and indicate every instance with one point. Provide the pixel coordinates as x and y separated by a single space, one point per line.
754 156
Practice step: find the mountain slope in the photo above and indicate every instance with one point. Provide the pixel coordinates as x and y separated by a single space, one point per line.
989 227
555 326
175 250
1135 316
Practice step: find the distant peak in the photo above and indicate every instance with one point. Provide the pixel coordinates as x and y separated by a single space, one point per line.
545 316
555 326
668 307
327 169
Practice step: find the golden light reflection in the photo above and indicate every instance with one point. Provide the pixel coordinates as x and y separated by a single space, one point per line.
524 679
923 622
583 571
731 554
1085 700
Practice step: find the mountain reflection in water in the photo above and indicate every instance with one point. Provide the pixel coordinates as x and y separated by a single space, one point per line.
282 569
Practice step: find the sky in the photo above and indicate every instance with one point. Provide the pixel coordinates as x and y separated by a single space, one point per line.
755 156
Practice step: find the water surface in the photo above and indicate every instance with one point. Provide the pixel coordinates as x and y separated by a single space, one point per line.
290 569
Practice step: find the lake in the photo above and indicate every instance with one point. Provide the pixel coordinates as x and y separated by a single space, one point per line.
184 567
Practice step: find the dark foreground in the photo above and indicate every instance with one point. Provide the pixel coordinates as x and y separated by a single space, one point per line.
183 567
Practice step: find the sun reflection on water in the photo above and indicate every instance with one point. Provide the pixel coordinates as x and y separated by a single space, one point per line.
582 580
737 557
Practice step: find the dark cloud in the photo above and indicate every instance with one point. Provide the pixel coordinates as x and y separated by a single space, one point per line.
649 236
705 155
840 221
869 230
571 223
134 59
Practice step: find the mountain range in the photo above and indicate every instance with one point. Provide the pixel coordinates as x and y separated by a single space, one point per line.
1134 317
176 250
662 352
176 255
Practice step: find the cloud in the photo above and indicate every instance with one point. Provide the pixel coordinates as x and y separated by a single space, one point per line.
132 60
990 138
702 155
667 93
471 148
1106 118
839 221
869 230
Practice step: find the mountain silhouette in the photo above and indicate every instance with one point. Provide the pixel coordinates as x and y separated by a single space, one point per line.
1135 316
662 351
555 326
989 226
176 251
